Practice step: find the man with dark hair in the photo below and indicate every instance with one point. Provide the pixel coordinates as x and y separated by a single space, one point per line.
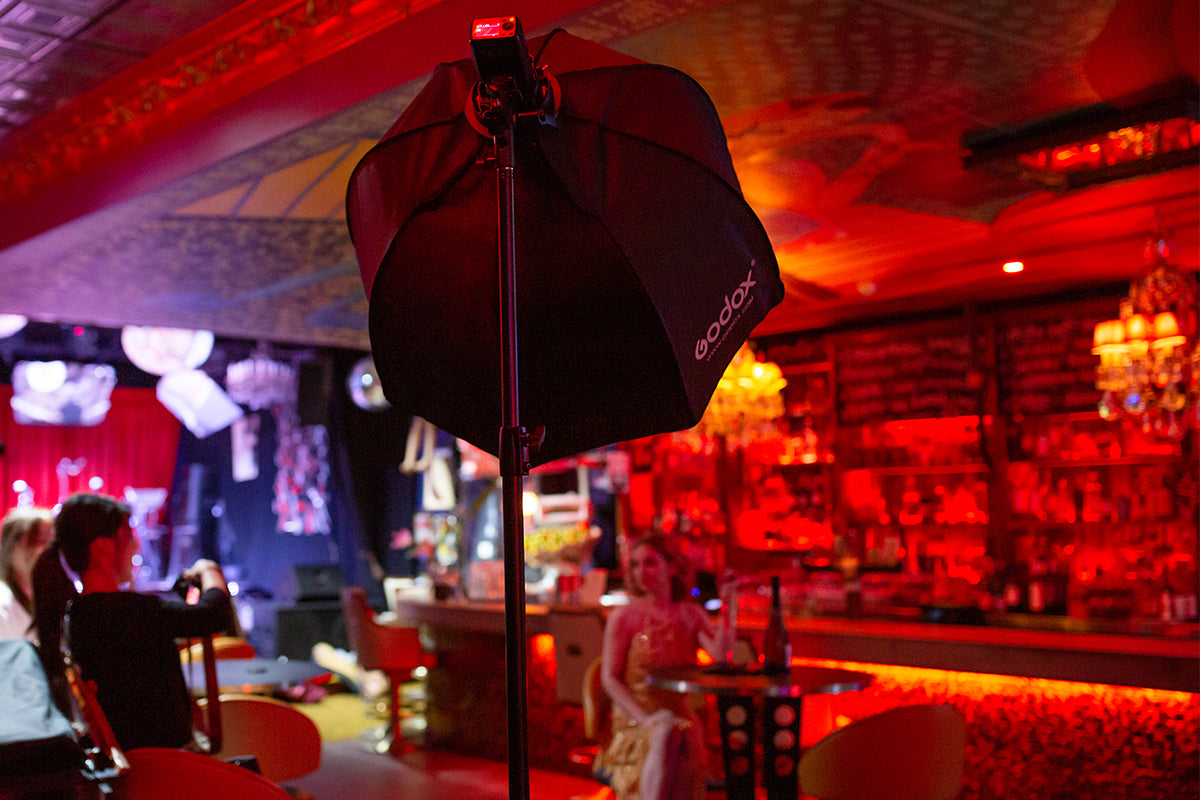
123 641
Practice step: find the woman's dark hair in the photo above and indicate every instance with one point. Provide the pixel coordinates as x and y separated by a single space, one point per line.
679 571
81 520
19 525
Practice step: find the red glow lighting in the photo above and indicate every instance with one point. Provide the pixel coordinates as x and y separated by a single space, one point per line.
542 646
987 688
1123 146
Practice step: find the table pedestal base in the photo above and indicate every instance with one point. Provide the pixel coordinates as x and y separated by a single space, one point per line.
780 746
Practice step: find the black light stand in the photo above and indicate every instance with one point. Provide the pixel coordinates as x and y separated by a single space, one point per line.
510 87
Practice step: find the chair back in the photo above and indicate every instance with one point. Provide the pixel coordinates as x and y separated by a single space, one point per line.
232 647
157 773
906 753
283 740
390 648
578 638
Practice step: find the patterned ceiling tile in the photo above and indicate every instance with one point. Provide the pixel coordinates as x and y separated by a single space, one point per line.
43 19
241 278
10 65
25 44
145 26
75 67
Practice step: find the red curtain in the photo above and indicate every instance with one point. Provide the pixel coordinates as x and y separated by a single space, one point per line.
135 446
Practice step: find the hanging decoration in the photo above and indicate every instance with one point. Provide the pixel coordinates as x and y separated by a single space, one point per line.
61 393
1149 358
160 351
261 382
365 389
301 502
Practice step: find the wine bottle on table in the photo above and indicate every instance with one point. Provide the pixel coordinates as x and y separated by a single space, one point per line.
777 648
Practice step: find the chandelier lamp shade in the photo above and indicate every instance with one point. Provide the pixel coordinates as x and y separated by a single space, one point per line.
161 351
1149 357
261 382
747 398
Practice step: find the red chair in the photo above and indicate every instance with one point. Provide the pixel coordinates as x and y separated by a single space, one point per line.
157 773
906 753
283 740
394 650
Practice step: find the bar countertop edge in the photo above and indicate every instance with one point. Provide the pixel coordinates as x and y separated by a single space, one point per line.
1150 662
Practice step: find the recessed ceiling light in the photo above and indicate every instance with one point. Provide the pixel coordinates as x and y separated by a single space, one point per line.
1014 266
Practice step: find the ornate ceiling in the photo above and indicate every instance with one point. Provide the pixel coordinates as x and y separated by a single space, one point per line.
185 164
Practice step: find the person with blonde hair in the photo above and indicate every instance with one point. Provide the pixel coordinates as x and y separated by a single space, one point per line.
24 534
657 750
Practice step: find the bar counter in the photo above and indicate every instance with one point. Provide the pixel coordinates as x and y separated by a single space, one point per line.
1079 654
1055 707
1165 657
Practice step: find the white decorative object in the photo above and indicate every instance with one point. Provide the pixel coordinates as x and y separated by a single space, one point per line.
60 393
198 402
11 323
160 351
365 389
260 382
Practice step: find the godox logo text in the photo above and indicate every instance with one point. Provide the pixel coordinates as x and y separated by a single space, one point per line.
733 302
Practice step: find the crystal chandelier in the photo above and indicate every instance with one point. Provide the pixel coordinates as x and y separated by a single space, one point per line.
260 382
748 399
1148 355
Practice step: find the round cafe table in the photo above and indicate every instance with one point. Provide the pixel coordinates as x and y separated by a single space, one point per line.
254 675
739 692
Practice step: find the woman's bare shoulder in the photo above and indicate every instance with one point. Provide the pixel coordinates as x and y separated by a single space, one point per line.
623 617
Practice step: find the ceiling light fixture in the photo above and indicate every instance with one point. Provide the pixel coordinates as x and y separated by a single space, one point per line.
11 324
163 350
60 393
1149 359
261 382
748 398
1091 145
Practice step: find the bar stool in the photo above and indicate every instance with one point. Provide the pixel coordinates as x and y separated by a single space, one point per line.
396 651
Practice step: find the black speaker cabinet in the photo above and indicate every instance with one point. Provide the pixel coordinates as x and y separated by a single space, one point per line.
299 627
319 582
315 386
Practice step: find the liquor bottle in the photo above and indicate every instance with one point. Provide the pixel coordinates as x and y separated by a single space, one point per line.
777 648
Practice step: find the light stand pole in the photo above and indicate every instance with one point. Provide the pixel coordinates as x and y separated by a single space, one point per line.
509 87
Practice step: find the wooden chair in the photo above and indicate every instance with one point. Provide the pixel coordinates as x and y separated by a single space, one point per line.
597 716
283 740
906 753
223 647
394 650
157 773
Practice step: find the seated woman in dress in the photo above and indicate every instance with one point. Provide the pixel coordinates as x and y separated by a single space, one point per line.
657 750
25 533
123 641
